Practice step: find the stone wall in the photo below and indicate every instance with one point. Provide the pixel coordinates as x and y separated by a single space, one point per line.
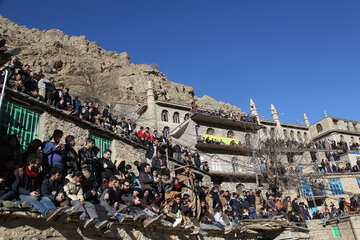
31 226
38 229
50 122
318 231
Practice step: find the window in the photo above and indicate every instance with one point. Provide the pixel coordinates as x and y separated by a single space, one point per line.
292 135
230 134
355 127
336 186
290 157
21 121
285 134
176 117
313 156
164 116
272 132
265 131
197 127
210 131
299 135
216 164
305 136
358 181
235 164
248 140
186 117
102 143
306 188
319 128
347 125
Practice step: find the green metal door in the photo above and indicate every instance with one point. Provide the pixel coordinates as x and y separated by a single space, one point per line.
20 120
102 143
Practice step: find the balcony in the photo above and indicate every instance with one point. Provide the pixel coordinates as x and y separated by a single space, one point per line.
210 120
313 191
224 147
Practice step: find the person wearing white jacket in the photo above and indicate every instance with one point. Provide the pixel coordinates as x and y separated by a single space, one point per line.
74 191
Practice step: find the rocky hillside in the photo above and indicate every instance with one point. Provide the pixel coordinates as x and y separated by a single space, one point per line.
94 73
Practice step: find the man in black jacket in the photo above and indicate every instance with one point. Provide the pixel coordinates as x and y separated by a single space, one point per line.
50 92
28 186
70 158
87 157
146 179
108 167
196 157
152 149
216 198
158 161
53 189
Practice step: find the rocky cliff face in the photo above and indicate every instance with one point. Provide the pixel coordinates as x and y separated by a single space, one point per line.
93 73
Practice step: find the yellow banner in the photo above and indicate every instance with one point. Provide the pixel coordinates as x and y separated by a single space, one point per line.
224 139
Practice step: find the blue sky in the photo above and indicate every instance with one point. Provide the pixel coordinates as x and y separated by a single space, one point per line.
300 55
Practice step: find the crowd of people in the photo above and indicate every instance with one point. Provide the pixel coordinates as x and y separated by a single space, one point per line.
326 166
55 179
329 144
241 116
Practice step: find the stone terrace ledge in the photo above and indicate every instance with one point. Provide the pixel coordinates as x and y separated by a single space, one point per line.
59 114
28 224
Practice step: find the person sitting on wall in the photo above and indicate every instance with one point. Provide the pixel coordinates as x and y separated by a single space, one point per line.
107 166
52 188
108 198
74 190
27 184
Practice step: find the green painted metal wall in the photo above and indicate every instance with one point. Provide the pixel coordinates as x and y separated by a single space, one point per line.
102 143
20 120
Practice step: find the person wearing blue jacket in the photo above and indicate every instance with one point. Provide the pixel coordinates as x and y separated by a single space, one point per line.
53 151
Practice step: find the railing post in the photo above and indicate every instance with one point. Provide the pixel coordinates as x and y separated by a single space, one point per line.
3 88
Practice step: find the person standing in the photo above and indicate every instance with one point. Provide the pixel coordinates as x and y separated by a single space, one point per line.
53 151
88 159
42 87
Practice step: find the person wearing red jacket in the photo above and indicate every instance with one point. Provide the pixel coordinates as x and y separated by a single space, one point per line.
140 132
